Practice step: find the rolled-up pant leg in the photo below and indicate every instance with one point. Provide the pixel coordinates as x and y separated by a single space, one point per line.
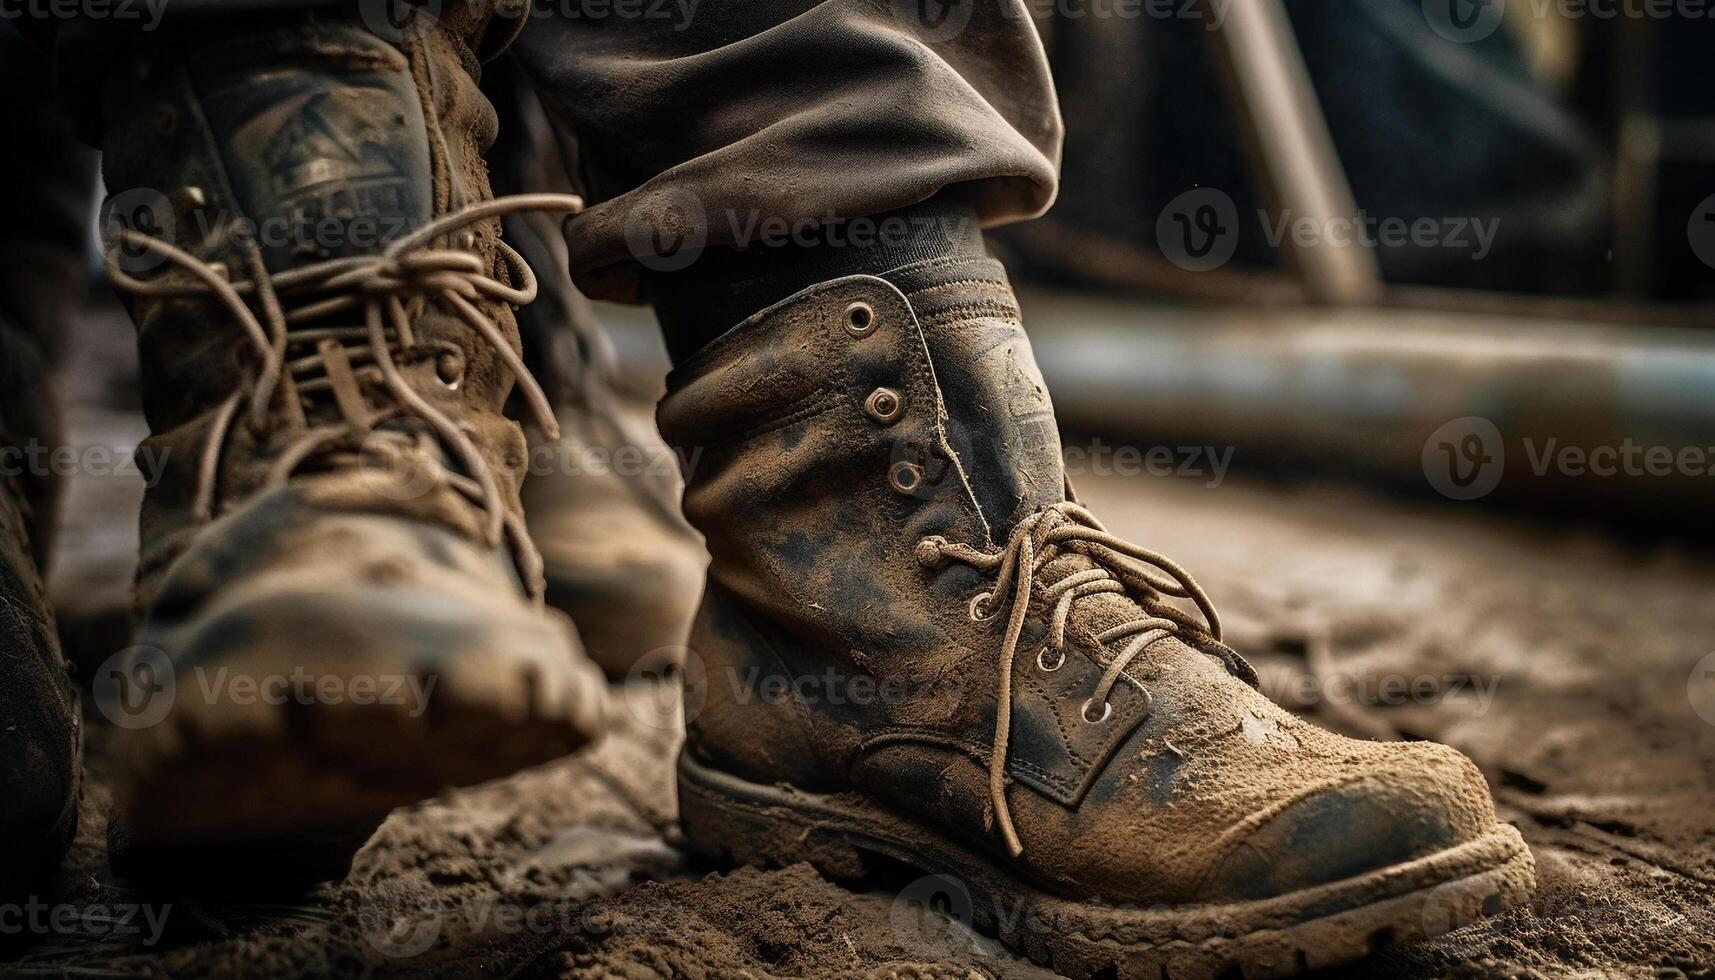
728 117
82 50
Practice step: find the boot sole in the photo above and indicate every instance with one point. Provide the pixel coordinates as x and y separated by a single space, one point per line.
37 858
773 826
278 797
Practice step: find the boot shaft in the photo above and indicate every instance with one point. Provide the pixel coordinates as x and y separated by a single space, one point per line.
832 436
280 158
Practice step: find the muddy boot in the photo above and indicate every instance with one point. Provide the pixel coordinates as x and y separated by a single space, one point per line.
915 646
602 501
341 610
40 731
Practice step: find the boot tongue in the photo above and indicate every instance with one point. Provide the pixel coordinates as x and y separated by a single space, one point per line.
1092 613
999 421
323 165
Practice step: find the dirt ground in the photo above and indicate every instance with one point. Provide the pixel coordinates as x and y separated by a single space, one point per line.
1570 665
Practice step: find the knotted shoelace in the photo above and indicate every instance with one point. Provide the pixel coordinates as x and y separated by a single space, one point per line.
1036 541
278 312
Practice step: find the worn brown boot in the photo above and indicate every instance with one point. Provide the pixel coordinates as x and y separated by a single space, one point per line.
915 646
602 500
342 612
40 731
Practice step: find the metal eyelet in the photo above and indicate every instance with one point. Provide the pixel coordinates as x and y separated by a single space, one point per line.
978 601
860 319
905 477
885 405
1107 712
1043 664
449 368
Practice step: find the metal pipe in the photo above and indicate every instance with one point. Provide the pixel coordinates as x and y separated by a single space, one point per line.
1290 144
1561 411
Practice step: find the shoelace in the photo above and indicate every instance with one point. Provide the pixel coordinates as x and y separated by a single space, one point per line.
381 284
1037 540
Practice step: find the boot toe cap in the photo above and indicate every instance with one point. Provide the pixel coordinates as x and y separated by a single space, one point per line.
1423 799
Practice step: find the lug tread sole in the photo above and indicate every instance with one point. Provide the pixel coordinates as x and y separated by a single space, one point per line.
774 826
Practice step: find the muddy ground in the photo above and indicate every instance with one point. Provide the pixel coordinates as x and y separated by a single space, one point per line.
1569 664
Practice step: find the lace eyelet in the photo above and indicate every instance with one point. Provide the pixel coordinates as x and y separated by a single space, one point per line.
860 319
449 368
885 405
905 477
976 603
1107 712
1044 665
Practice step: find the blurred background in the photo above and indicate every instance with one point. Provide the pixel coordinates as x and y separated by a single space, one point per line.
1455 248
1394 320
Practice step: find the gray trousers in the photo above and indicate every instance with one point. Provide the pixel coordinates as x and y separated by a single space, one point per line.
715 122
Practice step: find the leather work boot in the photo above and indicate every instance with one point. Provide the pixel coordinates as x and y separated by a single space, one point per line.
602 501
40 723
341 609
975 678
